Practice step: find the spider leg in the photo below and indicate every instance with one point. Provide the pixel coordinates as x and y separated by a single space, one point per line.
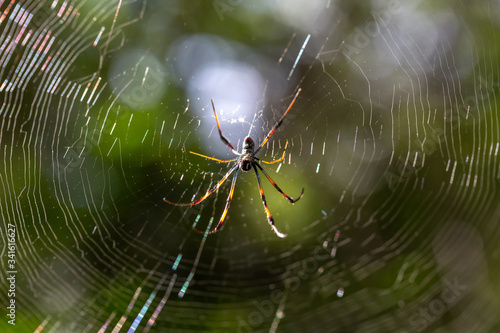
275 161
277 187
212 158
212 190
224 213
268 213
222 137
228 202
278 123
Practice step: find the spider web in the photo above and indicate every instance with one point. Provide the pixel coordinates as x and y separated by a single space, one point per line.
394 137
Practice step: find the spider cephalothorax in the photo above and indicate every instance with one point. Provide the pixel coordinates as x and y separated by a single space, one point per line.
245 161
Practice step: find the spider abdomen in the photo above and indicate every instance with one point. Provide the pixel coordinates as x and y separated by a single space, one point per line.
246 163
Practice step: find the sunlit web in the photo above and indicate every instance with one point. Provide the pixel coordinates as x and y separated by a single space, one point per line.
395 137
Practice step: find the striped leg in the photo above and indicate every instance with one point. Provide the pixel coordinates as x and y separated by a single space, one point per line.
268 213
222 137
212 190
278 123
277 187
278 160
228 202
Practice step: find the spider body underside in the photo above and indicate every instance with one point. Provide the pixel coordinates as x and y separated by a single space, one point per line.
247 155
245 161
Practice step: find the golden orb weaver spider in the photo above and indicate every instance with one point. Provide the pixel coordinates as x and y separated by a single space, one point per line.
245 161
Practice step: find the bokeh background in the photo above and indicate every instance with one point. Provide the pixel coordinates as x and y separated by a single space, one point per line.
394 137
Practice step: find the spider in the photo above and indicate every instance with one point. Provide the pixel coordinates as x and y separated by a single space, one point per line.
245 161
